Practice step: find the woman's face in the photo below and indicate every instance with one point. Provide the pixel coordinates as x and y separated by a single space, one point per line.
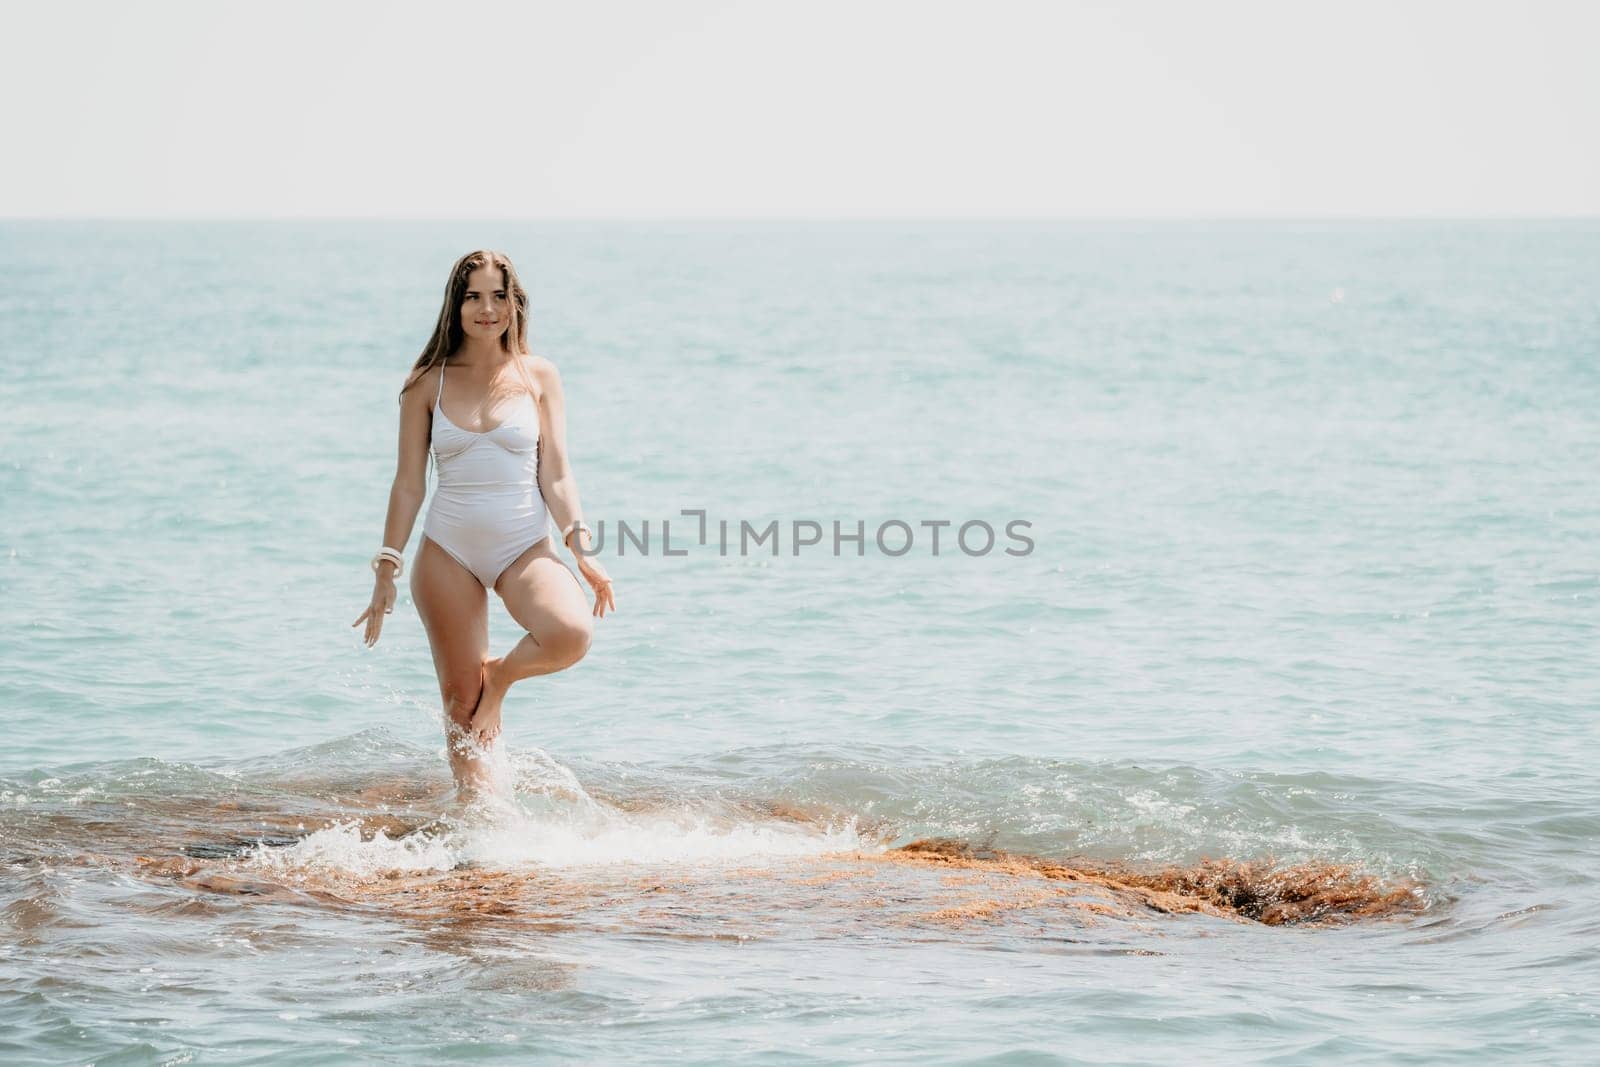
485 309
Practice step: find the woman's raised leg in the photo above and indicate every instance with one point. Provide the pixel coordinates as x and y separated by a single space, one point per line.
548 601
455 613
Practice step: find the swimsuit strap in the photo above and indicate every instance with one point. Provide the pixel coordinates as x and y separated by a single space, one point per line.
440 397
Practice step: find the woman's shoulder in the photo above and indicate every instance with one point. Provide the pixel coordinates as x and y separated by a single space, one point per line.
543 371
540 366
420 382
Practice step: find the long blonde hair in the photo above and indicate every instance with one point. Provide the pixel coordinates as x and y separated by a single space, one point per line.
447 332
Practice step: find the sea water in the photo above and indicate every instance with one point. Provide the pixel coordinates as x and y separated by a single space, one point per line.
1275 743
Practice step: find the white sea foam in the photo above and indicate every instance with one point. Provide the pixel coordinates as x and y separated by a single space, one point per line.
552 822
341 848
523 841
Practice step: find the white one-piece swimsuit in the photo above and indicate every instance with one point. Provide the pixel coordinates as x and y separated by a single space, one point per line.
487 509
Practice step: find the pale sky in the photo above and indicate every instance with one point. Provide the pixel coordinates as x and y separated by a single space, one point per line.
811 108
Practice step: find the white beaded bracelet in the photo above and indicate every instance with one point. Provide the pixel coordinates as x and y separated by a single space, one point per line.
393 556
575 524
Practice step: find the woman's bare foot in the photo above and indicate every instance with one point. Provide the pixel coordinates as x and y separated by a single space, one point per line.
485 722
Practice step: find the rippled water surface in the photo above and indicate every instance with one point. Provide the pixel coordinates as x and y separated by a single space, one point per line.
1278 746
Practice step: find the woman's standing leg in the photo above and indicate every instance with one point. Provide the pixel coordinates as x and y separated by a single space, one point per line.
547 600
455 613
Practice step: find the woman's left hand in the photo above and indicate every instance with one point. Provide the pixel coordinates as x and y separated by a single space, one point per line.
597 578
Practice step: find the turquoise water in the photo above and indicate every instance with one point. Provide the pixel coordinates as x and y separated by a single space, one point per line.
1314 579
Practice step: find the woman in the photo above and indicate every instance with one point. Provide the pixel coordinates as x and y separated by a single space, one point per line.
492 415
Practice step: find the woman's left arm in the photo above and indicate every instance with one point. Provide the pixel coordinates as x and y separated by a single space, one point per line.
559 485
556 480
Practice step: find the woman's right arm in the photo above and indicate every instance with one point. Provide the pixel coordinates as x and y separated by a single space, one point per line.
405 498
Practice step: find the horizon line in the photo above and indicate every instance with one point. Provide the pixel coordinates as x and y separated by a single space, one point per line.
501 219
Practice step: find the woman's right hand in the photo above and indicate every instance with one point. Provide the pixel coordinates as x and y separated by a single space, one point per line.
382 604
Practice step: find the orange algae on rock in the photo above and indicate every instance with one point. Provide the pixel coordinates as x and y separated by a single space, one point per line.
1262 891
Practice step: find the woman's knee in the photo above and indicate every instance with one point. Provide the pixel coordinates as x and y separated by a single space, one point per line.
569 641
